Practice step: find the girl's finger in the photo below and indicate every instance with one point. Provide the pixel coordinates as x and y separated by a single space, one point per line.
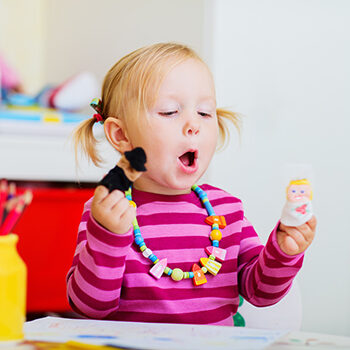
101 192
306 232
287 244
120 206
296 235
112 199
127 217
312 223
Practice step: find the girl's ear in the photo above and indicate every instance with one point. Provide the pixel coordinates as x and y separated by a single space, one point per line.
116 134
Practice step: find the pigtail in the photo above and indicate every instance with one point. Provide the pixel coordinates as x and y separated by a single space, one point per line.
85 141
223 116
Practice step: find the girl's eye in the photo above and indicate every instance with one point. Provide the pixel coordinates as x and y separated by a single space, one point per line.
203 114
167 114
302 191
293 191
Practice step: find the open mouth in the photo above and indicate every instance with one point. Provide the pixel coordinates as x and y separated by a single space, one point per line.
188 161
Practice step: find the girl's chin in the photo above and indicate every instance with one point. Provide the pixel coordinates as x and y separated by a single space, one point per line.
178 184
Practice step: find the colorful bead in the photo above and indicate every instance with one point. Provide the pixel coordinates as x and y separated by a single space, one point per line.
152 257
212 266
158 269
208 207
177 274
147 252
134 222
209 264
139 240
219 253
215 235
220 220
198 275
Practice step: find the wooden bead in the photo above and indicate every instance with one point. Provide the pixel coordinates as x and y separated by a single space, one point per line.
132 204
215 219
215 235
147 252
158 269
177 274
212 266
198 275
219 253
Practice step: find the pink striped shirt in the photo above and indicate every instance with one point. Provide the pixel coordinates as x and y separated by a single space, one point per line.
109 276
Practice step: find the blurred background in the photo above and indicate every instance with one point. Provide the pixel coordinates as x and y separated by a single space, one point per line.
284 65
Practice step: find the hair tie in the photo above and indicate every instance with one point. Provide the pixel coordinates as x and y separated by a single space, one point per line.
98 118
96 104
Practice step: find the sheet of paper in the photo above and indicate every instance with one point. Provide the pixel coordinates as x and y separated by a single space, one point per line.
150 336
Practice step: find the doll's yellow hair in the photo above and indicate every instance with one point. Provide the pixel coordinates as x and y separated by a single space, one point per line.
300 182
131 86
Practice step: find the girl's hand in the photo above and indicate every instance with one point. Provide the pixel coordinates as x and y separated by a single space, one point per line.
112 210
295 240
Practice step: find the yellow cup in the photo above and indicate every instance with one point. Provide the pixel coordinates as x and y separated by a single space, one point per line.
13 287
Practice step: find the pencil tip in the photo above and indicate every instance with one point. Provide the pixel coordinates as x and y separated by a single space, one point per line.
28 197
3 185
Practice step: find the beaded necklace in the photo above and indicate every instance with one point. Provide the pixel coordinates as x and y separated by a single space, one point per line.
208 264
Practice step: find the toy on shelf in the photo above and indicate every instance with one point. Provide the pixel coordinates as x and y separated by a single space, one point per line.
72 95
298 208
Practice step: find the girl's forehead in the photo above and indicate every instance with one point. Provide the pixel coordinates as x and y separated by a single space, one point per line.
188 76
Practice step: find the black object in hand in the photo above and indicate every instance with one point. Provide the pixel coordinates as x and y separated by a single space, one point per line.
116 179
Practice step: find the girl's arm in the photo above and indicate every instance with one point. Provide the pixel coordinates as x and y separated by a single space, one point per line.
265 273
95 278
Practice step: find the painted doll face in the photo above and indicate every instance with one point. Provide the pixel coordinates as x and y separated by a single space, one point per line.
296 193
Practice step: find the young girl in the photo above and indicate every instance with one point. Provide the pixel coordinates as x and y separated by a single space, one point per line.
172 264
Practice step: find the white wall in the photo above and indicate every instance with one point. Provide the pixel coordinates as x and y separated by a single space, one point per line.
22 33
285 66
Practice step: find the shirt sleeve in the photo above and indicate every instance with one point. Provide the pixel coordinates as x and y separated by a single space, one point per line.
265 273
95 278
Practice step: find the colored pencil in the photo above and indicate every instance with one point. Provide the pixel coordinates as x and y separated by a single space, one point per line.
15 213
3 197
11 201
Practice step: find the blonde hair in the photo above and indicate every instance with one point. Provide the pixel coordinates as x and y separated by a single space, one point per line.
300 182
131 85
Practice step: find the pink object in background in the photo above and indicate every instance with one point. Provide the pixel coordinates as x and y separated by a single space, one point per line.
8 76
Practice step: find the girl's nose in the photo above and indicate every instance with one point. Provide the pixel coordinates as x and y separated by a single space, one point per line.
191 127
